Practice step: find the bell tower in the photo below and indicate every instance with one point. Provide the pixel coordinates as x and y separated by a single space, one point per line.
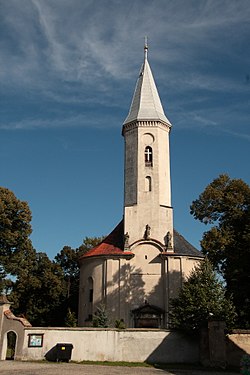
148 213
140 265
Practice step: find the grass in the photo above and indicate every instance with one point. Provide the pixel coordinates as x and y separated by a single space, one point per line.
122 363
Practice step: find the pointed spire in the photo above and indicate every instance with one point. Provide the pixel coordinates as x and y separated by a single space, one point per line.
146 104
146 48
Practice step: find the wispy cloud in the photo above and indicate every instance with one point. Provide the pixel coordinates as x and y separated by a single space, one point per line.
87 52
69 122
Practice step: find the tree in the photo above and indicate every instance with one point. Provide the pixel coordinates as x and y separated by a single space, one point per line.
89 243
70 320
15 229
39 291
201 298
100 318
67 259
225 206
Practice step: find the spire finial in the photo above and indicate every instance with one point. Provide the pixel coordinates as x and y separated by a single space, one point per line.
146 48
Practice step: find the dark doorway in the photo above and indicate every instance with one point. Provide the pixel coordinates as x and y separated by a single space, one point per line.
11 345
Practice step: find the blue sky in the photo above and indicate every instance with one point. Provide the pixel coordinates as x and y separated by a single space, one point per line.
67 74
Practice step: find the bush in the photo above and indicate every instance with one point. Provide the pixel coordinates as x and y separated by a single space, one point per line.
100 318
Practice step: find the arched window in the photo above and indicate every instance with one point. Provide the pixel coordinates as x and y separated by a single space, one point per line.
148 156
90 297
148 183
91 289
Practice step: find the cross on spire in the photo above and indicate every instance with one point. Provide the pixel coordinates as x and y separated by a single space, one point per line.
146 48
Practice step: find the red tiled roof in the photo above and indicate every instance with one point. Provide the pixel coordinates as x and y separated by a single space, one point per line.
113 244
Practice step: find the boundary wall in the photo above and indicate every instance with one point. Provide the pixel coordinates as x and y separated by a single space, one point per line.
130 345
214 348
237 344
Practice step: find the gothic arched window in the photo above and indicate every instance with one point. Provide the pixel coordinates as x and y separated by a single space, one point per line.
148 156
148 183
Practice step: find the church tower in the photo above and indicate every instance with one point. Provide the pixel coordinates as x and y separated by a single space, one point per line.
147 192
141 264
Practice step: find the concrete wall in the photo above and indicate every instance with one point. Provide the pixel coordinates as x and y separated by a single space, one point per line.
113 345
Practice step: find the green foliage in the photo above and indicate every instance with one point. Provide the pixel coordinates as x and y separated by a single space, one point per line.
67 260
70 320
119 323
39 291
89 243
245 365
45 292
201 298
100 318
15 229
225 205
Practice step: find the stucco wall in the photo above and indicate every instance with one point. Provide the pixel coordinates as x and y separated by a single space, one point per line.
237 344
114 345
124 285
10 323
18 329
142 207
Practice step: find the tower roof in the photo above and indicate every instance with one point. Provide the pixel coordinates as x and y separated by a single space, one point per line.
146 103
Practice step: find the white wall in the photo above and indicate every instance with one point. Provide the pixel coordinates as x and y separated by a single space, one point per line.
130 345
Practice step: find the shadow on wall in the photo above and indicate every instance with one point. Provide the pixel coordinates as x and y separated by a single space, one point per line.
129 284
235 352
176 348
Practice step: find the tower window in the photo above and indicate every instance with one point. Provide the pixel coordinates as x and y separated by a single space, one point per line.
148 183
91 289
90 295
148 156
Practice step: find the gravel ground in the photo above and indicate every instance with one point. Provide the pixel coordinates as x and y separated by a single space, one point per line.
37 368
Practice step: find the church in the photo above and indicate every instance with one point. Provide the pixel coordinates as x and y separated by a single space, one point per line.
141 264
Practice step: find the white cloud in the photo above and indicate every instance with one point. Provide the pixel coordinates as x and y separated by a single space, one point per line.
84 51
69 122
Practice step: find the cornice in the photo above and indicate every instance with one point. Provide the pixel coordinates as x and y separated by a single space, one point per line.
145 123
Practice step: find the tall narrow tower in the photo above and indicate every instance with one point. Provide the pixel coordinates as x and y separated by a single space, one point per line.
147 195
140 265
